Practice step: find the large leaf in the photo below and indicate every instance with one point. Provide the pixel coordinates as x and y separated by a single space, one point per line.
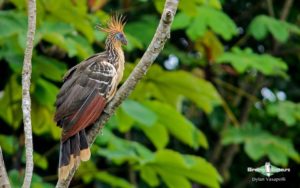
88 172
45 92
170 87
216 20
10 101
14 23
12 52
158 135
178 125
260 143
72 14
119 150
41 119
189 7
8 144
145 36
48 67
243 60
173 84
139 112
177 172
286 111
262 25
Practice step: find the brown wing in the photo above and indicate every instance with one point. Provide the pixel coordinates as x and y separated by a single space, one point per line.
84 95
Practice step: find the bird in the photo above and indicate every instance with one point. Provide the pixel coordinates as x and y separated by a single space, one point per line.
87 88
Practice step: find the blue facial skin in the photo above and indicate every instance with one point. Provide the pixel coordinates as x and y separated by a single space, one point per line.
121 37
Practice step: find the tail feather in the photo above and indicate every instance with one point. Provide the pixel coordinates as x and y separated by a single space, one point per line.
72 151
85 153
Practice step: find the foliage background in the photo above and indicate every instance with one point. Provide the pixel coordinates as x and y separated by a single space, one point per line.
223 95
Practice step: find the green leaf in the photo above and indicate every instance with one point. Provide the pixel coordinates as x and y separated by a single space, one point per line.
10 110
262 25
158 135
8 144
139 112
216 20
49 26
58 40
40 119
73 15
125 122
257 29
172 85
133 43
286 111
147 21
196 29
149 176
48 67
12 52
260 143
40 161
243 60
45 92
188 7
120 150
14 23
114 181
79 46
174 180
254 150
159 5
104 177
181 169
16 178
178 125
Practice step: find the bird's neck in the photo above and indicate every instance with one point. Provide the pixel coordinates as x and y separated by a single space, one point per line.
114 51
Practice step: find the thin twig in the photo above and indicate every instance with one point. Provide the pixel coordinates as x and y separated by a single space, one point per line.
237 90
26 102
286 9
244 115
4 181
162 34
270 8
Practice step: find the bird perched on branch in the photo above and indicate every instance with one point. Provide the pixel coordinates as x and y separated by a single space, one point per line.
86 89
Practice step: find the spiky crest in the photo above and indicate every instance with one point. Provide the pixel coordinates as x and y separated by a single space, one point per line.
115 24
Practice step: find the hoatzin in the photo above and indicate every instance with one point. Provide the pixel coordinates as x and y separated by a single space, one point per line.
86 89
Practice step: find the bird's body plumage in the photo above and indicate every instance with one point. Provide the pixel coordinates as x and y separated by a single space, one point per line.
87 88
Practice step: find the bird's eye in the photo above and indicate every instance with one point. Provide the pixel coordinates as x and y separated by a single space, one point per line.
119 36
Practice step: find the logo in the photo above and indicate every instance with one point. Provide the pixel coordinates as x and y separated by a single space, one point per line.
268 169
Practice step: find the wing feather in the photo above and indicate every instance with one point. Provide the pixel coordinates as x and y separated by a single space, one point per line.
83 95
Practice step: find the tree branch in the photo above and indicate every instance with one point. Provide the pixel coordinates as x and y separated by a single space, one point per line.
286 9
26 101
270 8
4 181
162 34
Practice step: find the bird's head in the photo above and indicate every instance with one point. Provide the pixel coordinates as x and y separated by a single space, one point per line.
114 29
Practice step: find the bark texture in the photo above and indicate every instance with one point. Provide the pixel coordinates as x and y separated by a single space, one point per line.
4 181
26 101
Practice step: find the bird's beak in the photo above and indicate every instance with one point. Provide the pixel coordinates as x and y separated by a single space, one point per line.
124 41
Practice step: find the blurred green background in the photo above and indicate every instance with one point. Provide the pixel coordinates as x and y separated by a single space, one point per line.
221 97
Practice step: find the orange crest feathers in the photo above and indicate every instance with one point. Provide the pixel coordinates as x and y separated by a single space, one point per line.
115 24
